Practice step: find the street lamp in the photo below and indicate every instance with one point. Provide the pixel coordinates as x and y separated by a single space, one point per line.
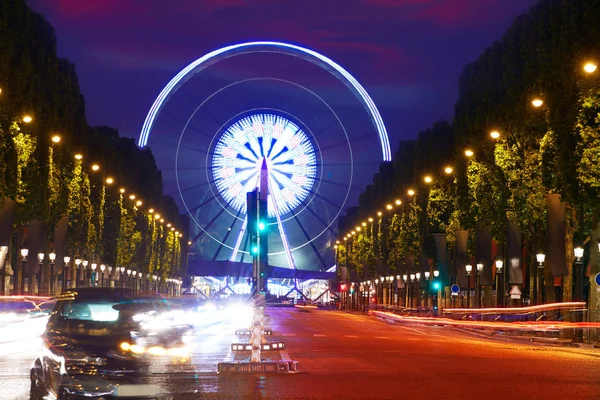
578 286
495 134
66 260
84 272
590 67
3 253
52 257
40 257
109 276
537 102
540 257
499 284
468 268
427 275
102 268
478 302
19 281
94 275
418 287
77 276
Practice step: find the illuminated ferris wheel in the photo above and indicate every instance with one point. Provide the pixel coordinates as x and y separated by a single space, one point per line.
243 107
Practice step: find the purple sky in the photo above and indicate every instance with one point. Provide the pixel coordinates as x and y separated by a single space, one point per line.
408 54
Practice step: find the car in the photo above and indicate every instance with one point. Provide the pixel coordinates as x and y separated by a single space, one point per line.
104 342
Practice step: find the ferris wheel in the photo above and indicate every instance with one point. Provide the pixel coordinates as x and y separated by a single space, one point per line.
270 105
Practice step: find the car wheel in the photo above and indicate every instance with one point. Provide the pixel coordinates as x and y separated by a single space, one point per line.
35 392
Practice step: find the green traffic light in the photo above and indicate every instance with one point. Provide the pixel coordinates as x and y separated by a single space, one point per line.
261 226
255 249
436 285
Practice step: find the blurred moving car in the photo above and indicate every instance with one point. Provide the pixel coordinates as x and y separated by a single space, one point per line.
23 317
102 342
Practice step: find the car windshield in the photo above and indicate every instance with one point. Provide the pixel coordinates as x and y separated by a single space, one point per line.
90 310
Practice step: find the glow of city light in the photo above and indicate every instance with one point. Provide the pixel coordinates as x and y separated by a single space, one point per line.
95 167
428 179
398 202
495 134
411 192
27 119
249 47
56 139
469 153
590 68
109 180
537 102
78 156
290 156
448 170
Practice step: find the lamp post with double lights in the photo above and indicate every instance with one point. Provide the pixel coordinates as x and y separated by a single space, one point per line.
3 253
468 268
65 274
499 284
52 258
19 279
539 277
578 292
39 275
478 285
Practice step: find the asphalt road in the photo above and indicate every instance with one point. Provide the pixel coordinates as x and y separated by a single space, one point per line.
351 356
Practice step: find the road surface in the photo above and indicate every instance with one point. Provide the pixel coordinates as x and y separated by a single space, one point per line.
354 356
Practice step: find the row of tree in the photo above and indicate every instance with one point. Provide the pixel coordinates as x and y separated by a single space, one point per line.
552 148
46 174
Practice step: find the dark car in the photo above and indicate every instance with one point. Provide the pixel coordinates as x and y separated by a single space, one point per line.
102 342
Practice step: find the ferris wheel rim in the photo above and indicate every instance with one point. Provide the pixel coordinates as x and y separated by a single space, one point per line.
275 47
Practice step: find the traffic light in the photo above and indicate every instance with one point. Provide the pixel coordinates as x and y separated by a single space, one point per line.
343 287
255 249
436 285
261 226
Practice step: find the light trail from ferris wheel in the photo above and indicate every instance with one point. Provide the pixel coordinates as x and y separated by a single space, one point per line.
290 155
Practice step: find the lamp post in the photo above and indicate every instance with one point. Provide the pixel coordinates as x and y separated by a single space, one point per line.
122 276
478 286
76 278
405 279
411 296
418 286
468 268
140 282
499 284
84 273
66 261
578 284
52 258
128 280
93 275
154 277
437 287
19 279
102 268
427 275
39 275
109 276
3 253
540 257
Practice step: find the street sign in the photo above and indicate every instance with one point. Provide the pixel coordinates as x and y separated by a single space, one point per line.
515 292
597 279
455 289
